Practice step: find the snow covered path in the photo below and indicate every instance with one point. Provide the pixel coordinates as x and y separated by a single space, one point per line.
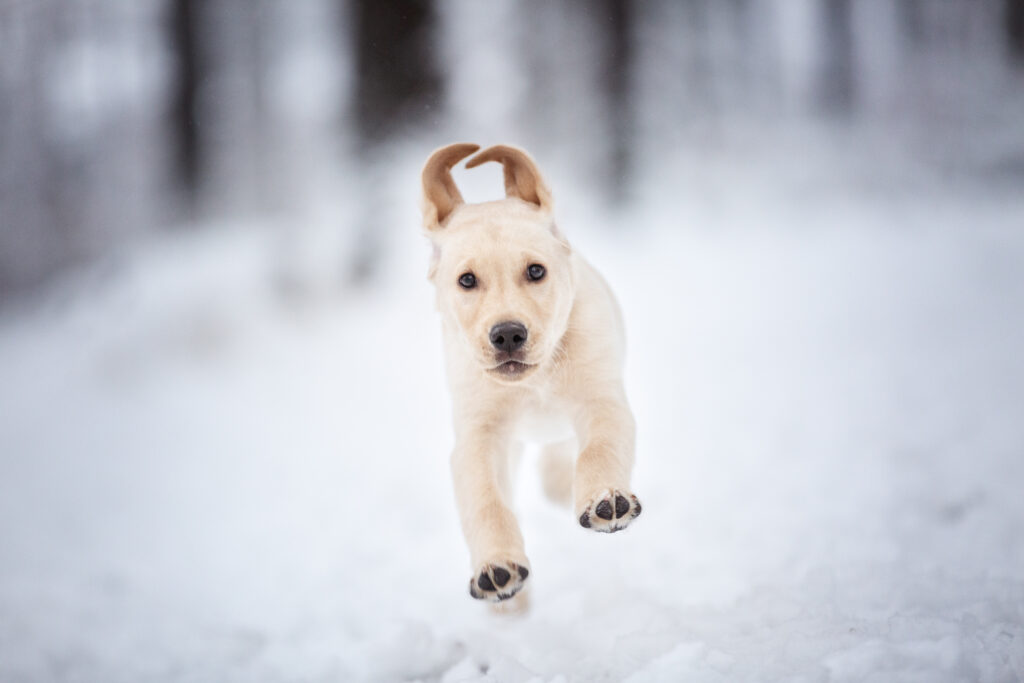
200 481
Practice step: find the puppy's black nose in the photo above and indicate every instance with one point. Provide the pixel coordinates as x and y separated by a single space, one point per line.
508 336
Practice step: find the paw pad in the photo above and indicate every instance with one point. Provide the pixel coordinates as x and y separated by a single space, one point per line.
498 581
610 511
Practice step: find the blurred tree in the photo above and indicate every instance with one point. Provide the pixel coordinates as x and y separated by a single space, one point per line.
1014 20
398 85
396 71
910 21
837 79
27 232
185 40
618 25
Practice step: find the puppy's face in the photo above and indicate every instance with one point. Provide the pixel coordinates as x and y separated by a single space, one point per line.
504 281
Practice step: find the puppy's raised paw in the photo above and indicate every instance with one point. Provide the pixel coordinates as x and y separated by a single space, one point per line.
497 581
610 511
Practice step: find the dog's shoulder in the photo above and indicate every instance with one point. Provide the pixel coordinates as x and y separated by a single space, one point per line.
596 312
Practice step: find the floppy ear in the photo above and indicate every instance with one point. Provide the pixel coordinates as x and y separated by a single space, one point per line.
440 196
522 179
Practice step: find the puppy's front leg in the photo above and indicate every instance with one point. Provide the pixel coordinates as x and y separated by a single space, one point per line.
479 466
603 501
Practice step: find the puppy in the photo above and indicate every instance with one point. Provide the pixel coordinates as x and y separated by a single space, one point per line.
534 346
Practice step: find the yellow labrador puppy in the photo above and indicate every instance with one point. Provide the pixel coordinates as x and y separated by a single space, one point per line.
534 347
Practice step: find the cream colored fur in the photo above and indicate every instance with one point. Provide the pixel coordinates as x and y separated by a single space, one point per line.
565 387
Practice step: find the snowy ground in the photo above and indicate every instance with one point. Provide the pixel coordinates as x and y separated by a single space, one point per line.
202 480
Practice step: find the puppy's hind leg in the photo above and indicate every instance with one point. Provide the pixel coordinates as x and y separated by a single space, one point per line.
557 468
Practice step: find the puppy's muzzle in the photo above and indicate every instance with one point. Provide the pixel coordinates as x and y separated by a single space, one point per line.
508 339
508 336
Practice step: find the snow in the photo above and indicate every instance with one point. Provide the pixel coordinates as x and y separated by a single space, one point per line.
205 477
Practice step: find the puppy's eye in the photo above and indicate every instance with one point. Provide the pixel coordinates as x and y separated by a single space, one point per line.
467 281
535 272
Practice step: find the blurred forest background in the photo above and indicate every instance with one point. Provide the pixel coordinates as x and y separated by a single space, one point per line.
223 429
119 120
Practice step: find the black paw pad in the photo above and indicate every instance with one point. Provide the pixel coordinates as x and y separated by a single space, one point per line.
585 520
497 581
621 506
604 510
501 576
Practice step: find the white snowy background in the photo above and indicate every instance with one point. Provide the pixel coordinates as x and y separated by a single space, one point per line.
220 460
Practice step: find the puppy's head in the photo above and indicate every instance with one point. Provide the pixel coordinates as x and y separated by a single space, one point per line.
502 271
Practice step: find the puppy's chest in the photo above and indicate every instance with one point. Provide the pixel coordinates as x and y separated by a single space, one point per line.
544 422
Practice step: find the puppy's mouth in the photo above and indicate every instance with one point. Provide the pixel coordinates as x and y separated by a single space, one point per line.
510 366
512 369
